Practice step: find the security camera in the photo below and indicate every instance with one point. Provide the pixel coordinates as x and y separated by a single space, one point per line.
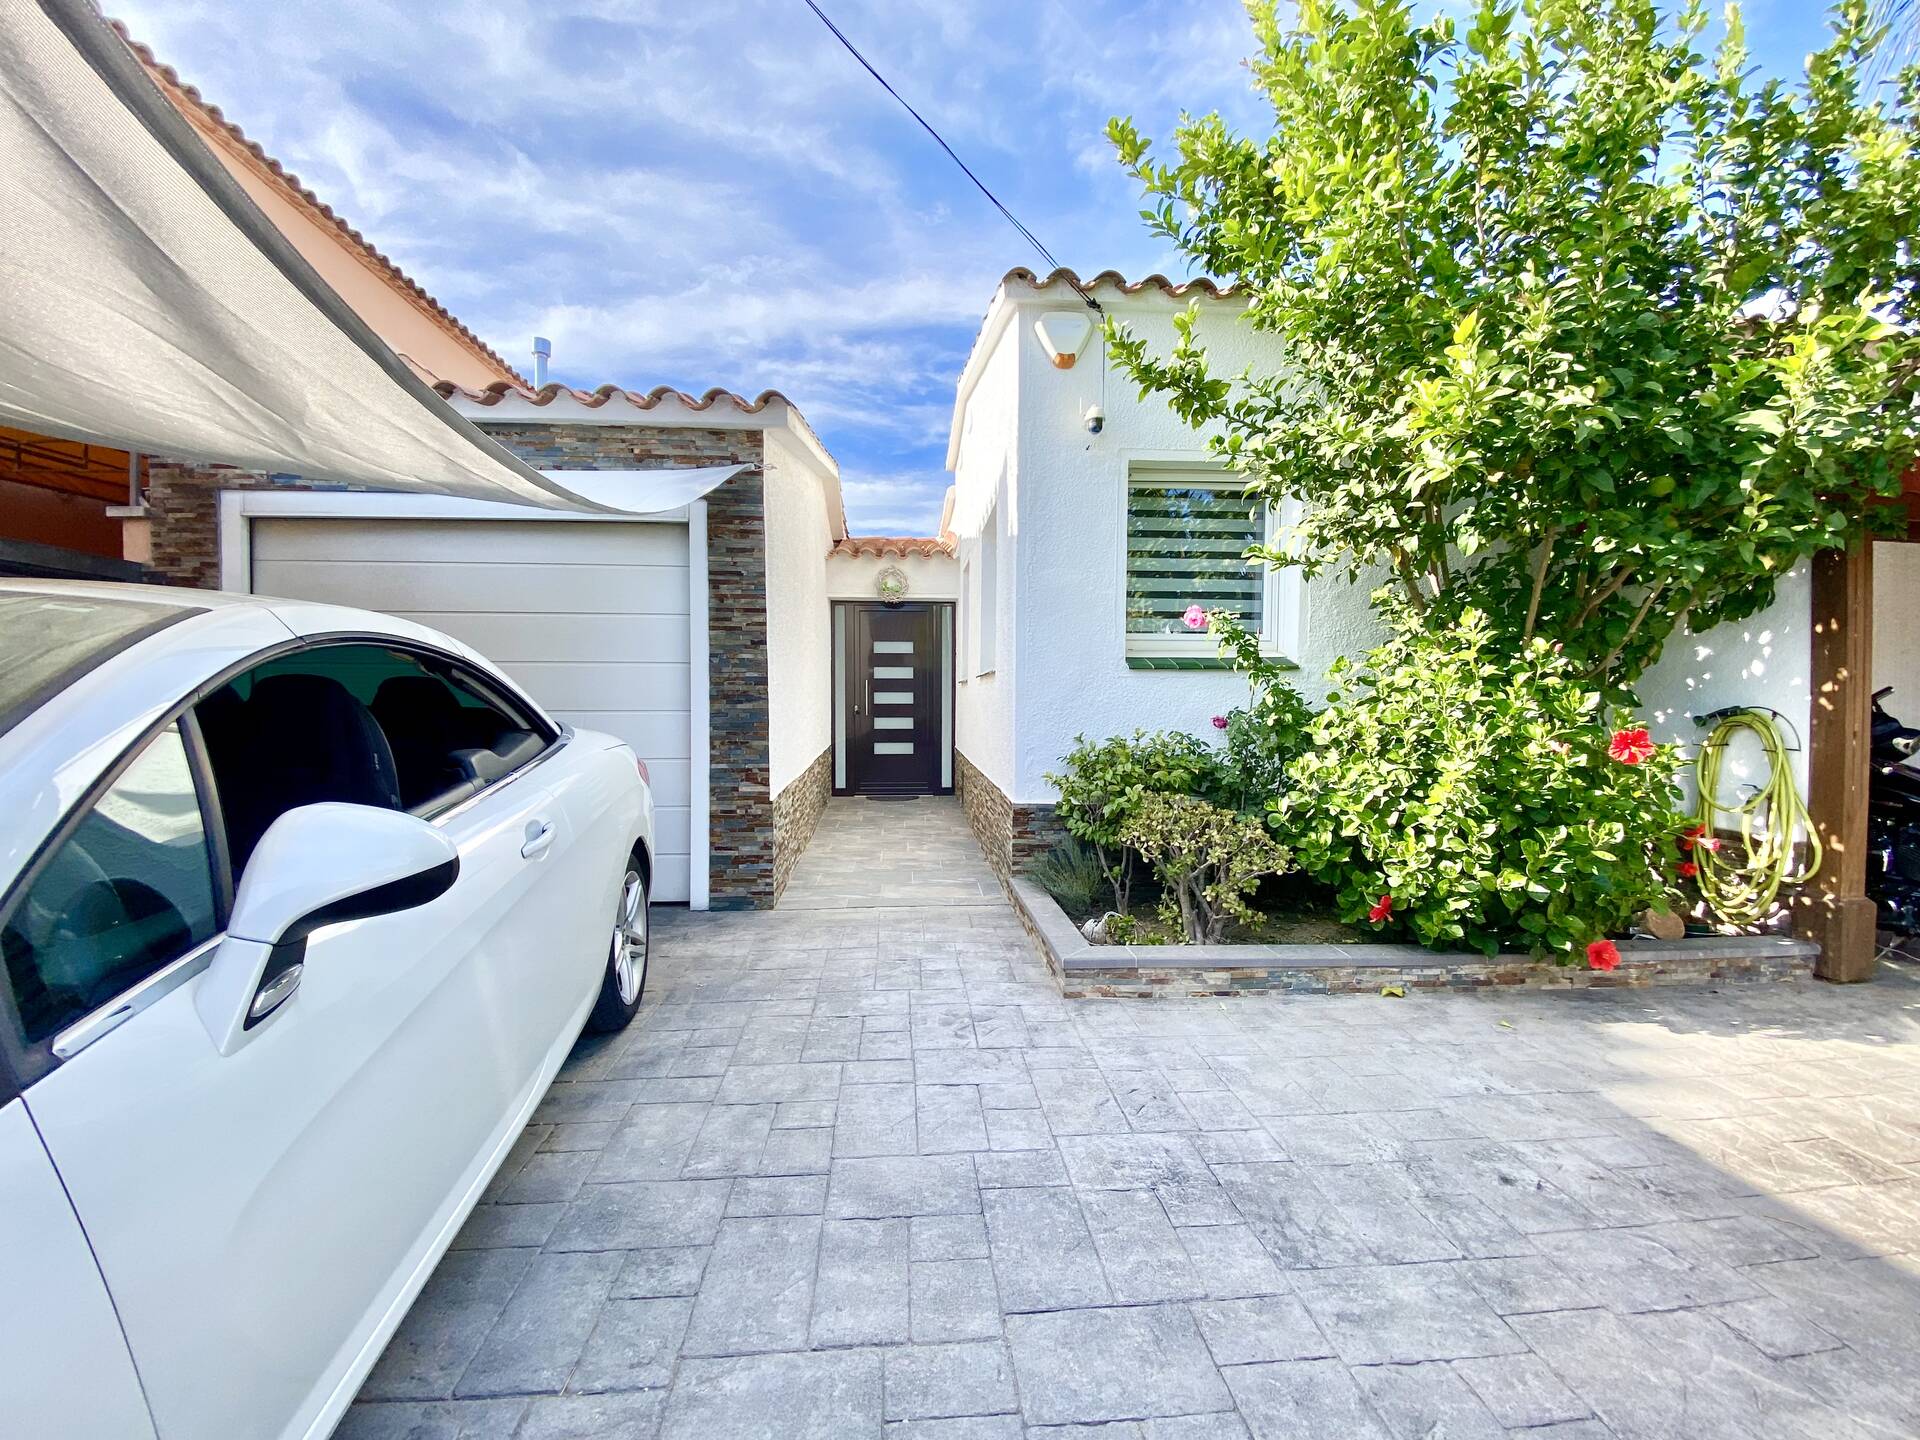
1095 419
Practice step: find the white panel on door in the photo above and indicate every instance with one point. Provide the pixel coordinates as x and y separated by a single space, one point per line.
893 672
893 747
893 722
893 697
893 647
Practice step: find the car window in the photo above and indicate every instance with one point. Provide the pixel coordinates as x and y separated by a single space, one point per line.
47 641
128 891
362 723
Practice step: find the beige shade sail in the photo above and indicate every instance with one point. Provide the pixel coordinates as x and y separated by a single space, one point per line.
147 304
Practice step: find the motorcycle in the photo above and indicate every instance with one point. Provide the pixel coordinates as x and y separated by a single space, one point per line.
1893 820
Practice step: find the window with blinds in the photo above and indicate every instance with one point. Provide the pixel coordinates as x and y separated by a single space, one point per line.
1187 536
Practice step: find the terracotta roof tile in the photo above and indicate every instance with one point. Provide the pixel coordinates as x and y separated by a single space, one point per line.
593 399
1066 278
882 545
178 90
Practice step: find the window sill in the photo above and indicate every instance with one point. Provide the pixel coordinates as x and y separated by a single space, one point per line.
1197 662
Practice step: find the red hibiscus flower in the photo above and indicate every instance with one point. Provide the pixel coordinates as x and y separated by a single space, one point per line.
1382 908
1688 869
1219 722
1603 954
1630 747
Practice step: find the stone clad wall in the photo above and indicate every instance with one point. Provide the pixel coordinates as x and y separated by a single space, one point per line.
183 505
989 814
796 811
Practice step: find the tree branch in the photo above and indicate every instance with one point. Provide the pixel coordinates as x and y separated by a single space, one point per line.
1411 581
1606 593
1653 593
1539 580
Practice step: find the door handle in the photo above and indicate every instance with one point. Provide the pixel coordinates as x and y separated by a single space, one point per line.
540 835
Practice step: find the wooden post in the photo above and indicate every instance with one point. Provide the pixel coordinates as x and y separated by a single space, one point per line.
1833 908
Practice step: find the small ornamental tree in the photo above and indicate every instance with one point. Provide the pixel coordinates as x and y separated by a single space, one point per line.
1584 330
1208 860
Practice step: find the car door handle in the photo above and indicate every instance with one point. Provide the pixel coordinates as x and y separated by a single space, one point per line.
539 839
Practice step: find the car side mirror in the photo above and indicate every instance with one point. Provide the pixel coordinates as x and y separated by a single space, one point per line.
316 865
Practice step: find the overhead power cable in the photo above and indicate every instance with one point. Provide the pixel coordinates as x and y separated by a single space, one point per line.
1012 219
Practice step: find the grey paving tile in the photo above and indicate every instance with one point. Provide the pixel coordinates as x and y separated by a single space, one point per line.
1230 1262
875 1120
1043 1255
1300 1227
949 1119
585 1135
888 1187
447 1324
1272 1327
639 1214
932 1382
1774 1328
771 1084
654 1274
535 1343
1138 1248
861 1296
502 1227
1524 1284
650 1143
782 1195
817 1395
1290 1399
953 1300
1017 1130
1015 1169
634 1415
1168 1165
1628 1270
1220 1425
797 1152
1421 1401
1089 1366
1521 1391
730 1142
1399 1314
633 1346
758 1289
432 1420
949 1237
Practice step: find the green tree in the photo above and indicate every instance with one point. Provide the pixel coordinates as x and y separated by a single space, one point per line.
1584 329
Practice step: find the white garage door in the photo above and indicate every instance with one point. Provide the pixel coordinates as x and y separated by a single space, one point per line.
591 617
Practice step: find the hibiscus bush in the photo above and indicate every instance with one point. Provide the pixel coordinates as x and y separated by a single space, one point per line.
1465 797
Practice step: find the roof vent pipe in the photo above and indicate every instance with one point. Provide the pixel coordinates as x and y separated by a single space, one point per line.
542 352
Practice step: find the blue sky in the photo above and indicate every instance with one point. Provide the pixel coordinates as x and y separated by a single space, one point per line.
715 194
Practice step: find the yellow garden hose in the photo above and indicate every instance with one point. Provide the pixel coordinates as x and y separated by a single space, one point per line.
1741 884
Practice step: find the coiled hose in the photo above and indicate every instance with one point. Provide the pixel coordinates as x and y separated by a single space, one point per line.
1741 885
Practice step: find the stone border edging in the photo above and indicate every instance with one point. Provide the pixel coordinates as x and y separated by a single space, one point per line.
1151 971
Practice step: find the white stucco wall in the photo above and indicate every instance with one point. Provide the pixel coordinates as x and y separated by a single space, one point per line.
987 485
1896 625
1763 661
1068 546
929 577
799 635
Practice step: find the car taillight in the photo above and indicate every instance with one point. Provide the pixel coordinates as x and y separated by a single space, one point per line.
641 766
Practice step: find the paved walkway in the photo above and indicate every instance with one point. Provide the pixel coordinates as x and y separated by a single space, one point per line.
862 1173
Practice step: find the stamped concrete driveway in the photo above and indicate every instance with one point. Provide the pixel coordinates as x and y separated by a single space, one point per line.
861 1172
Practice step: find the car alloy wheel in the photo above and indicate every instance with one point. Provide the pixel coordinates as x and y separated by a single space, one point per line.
630 938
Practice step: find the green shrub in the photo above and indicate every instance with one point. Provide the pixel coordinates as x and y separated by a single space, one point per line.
1102 784
1263 737
1477 791
1208 859
1072 873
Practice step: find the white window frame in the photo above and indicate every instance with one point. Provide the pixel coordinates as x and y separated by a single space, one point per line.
1282 591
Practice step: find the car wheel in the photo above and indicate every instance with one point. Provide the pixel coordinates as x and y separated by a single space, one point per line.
625 979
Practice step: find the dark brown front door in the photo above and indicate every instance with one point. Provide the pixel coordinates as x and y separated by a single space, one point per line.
894 676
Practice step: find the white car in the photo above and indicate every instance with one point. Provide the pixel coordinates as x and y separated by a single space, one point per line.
301 908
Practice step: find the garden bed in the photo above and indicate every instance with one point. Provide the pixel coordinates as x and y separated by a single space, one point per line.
1180 971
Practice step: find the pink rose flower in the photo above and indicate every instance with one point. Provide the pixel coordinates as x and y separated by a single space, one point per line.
1195 618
